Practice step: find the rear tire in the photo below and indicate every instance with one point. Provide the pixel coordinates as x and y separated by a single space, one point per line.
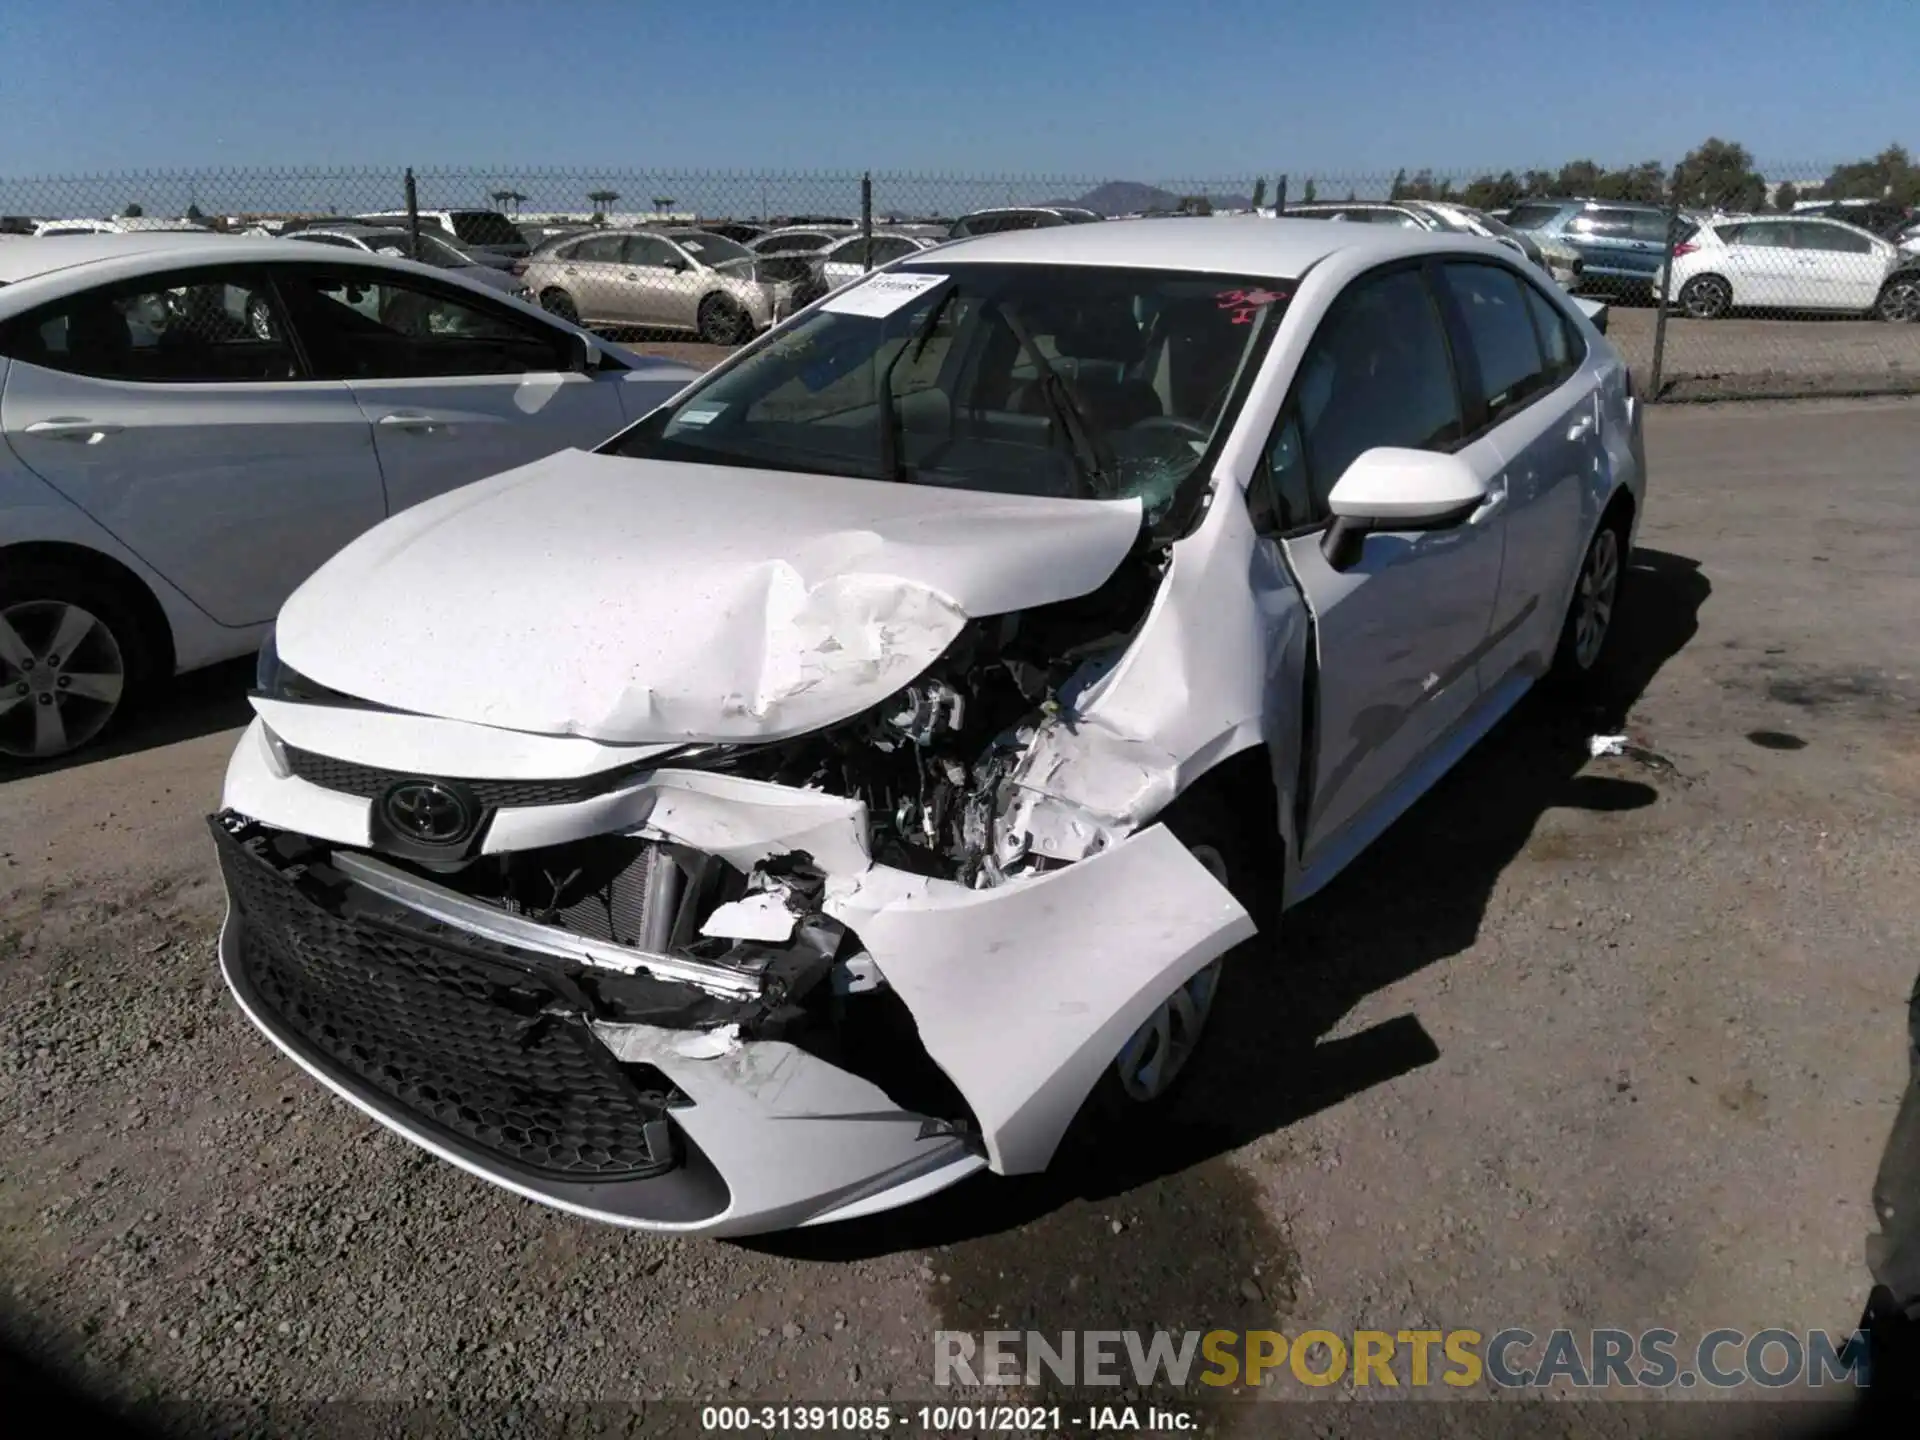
723 322
75 657
559 304
1706 297
1899 301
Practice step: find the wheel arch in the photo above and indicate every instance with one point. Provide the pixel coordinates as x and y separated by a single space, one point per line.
151 616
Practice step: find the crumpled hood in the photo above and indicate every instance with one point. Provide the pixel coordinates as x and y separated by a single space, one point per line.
642 601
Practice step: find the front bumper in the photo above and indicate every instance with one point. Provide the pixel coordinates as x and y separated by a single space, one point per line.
632 1085
482 1055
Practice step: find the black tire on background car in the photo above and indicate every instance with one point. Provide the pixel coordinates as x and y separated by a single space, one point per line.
722 321
1217 820
1706 297
559 303
1586 635
74 656
1899 301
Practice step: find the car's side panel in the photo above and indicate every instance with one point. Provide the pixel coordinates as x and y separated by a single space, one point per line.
234 492
32 512
439 432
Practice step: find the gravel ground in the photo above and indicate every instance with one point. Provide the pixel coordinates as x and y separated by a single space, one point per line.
1606 1042
1755 358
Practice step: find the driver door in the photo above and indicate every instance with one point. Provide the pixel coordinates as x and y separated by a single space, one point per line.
1398 633
663 283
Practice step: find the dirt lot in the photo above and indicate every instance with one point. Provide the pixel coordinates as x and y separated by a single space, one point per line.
1606 1042
1754 357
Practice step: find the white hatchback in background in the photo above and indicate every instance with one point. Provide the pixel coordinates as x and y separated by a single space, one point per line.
1781 262
862 766
192 424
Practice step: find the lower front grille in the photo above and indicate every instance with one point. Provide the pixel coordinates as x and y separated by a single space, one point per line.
491 1054
370 781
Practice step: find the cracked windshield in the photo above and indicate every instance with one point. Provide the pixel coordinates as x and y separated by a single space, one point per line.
1100 384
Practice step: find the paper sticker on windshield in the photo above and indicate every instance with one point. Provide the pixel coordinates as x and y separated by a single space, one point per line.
880 295
700 415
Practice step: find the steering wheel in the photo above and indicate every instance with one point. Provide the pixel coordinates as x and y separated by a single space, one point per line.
1178 424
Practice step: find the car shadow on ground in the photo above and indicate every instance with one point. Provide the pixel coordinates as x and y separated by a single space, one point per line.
1415 897
201 703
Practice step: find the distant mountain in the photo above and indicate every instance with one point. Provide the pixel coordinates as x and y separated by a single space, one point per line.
1130 197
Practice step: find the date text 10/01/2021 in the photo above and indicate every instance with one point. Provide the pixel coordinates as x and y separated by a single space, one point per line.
937 1419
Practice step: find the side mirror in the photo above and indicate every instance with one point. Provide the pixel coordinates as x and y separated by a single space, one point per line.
1392 489
586 355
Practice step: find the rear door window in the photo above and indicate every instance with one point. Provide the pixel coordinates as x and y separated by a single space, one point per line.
198 327
1560 343
1764 234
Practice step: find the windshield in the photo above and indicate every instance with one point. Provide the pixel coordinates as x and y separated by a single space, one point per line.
1097 383
708 248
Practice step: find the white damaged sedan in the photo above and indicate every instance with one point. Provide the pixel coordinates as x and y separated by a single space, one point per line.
861 767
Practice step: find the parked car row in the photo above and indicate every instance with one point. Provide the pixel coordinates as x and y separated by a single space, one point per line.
1808 261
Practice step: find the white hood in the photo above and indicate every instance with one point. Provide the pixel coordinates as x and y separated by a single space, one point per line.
640 601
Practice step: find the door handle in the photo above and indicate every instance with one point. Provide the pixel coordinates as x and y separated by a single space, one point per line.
1580 428
632 276
408 420
71 427
570 271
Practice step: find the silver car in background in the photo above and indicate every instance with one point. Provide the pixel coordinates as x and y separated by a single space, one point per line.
679 279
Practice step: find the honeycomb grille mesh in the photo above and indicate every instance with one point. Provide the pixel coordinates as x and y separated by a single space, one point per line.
481 1050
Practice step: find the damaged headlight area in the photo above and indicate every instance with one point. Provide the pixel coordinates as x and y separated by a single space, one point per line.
938 764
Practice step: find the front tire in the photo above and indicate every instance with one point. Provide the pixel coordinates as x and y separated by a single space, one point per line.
1899 301
559 304
722 321
1706 297
73 655
1220 826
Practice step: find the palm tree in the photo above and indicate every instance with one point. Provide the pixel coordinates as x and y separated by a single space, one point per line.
601 200
663 202
508 197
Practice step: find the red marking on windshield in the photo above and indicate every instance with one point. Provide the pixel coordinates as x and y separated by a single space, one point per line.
1245 304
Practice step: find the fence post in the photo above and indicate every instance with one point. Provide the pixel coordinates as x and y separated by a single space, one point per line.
866 220
1666 294
1280 197
413 217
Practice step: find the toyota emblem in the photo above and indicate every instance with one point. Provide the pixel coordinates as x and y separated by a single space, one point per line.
429 812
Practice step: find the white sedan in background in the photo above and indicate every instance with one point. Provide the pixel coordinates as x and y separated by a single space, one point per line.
192 424
862 766
1786 263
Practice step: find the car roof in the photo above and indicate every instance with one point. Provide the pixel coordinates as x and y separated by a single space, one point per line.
1233 244
41 254
107 259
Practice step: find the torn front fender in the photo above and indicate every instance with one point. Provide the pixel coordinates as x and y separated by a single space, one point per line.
1023 994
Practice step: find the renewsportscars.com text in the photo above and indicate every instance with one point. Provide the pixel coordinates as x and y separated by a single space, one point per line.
1513 1358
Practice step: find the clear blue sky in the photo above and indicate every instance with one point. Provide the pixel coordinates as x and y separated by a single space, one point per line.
1070 87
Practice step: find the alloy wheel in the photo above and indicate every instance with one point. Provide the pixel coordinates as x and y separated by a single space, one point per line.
1900 301
1705 298
62 674
1159 1050
1594 597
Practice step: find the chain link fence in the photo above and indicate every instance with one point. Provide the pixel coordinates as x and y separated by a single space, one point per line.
1724 282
